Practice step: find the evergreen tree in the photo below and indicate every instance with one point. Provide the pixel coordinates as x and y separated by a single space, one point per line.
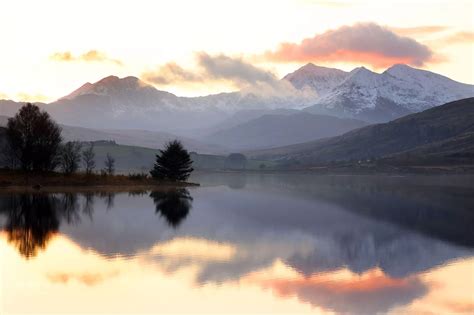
174 163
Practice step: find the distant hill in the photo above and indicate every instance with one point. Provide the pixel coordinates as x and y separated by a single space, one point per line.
278 130
141 159
444 132
141 138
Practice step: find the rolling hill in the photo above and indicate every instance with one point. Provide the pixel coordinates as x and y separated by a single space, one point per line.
446 132
139 159
278 130
140 138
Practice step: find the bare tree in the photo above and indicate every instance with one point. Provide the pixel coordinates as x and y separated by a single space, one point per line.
70 157
88 159
109 164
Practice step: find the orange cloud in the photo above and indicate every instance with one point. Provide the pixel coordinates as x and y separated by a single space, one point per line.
89 279
459 37
466 307
366 43
90 56
370 293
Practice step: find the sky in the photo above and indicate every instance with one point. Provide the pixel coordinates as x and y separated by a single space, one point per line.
190 48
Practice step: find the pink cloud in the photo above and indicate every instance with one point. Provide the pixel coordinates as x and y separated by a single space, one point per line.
366 43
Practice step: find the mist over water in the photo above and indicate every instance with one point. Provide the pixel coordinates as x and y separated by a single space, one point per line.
289 243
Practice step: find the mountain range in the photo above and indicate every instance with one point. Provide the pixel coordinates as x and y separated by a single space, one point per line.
362 94
437 135
374 97
322 102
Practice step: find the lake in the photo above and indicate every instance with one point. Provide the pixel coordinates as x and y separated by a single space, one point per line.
244 243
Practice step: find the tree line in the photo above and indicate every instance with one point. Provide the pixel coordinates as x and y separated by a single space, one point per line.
34 144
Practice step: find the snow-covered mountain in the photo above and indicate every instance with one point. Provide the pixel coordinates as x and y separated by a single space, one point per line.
131 103
379 97
320 79
118 103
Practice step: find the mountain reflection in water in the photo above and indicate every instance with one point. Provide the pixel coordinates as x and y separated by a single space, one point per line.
291 244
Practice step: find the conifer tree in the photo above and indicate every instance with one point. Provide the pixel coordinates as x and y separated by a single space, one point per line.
173 163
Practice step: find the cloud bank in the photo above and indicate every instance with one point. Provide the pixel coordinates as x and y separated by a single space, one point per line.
367 43
222 68
90 56
211 68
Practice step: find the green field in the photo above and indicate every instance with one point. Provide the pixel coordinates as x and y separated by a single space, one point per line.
139 159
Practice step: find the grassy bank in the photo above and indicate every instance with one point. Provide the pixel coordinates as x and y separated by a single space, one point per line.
11 179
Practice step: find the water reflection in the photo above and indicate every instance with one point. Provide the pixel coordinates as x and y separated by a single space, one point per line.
173 205
109 198
360 245
32 219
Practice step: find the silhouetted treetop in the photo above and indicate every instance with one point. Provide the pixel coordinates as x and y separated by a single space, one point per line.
33 139
173 163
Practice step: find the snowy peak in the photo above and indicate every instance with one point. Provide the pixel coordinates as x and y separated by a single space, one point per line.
110 86
400 68
311 69
397 91
363 76
407 73
316 78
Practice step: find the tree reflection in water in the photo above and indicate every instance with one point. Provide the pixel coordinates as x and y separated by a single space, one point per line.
32 219
173 205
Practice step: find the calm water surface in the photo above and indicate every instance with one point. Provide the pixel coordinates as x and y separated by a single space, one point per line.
244 244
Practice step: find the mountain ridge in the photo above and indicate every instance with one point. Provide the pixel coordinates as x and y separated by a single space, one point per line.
389 140
273 130
130 103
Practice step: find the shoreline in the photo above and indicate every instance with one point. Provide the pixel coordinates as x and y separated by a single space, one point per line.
388 170
12 180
